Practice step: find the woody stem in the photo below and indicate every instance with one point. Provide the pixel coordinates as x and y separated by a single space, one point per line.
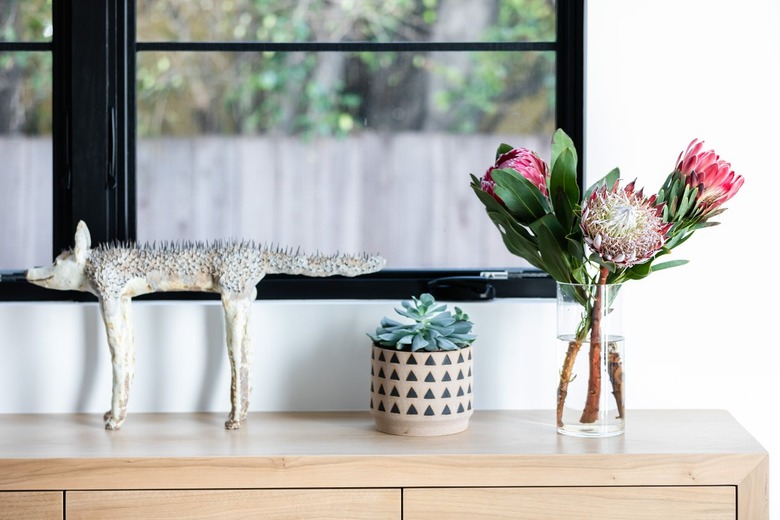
591 411
565 376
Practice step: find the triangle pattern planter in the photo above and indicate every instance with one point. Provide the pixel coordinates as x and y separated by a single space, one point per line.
421 393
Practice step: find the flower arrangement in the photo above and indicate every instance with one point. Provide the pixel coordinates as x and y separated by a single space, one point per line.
610 234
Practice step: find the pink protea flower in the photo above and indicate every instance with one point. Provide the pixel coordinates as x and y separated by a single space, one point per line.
622 226
710 174
523 161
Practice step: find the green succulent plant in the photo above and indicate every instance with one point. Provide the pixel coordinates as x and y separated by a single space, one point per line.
433 327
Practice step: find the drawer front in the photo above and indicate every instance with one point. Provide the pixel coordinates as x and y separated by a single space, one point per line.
341 504
581 503
24 505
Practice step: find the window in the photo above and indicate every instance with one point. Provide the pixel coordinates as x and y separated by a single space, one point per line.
345 126
25 132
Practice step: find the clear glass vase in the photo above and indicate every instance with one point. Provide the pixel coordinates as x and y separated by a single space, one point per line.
590 360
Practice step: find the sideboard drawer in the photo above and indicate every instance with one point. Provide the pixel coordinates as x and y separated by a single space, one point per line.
346 504
581 503
23 505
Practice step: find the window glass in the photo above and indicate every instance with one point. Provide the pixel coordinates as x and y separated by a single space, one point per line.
335 151
25 20
346 20
25 136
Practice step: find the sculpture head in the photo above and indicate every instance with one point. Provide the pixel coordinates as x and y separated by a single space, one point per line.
67 273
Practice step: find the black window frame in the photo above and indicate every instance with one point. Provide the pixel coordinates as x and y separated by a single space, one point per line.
93 139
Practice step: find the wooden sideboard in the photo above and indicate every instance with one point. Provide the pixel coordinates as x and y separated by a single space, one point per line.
681 464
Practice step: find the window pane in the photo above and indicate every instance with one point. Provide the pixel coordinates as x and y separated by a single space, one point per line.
25 159
335 151
25 20
346 20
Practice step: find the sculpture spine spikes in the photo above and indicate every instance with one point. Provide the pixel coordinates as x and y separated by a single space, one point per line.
221 266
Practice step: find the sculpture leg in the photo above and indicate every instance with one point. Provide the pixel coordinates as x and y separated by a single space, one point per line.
240 354
121 342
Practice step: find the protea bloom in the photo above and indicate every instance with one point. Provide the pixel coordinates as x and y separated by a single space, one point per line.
713 177
622 226
523 161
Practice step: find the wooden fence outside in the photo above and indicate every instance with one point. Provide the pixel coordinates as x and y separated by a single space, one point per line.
405 196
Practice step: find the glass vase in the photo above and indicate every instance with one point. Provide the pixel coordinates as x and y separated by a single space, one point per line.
590 360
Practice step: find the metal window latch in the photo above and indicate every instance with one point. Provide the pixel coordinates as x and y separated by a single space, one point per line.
13 276
462 288
476 288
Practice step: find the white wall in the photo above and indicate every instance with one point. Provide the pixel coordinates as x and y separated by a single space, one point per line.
699 336
659 74
307 356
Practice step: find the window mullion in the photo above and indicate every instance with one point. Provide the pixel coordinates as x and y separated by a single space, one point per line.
87 138
570 76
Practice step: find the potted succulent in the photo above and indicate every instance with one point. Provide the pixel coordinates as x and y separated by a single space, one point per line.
421 370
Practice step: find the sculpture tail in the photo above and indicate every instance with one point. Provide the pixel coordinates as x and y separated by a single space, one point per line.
325 265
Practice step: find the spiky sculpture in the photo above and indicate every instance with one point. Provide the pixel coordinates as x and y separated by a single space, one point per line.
116 273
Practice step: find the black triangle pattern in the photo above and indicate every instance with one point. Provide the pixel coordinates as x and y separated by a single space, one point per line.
461 404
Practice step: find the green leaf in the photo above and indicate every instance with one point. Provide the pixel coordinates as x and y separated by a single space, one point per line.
502 149
552 247
638 271
517 240
418 343
445 344
564 192
668 265
560 142
609 180
520 196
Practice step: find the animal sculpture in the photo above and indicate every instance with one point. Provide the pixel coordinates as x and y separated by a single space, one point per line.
115 273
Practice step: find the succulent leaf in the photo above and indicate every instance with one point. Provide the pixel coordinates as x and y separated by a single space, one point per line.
432 327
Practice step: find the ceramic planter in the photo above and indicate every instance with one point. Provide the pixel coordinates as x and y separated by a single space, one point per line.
421 393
